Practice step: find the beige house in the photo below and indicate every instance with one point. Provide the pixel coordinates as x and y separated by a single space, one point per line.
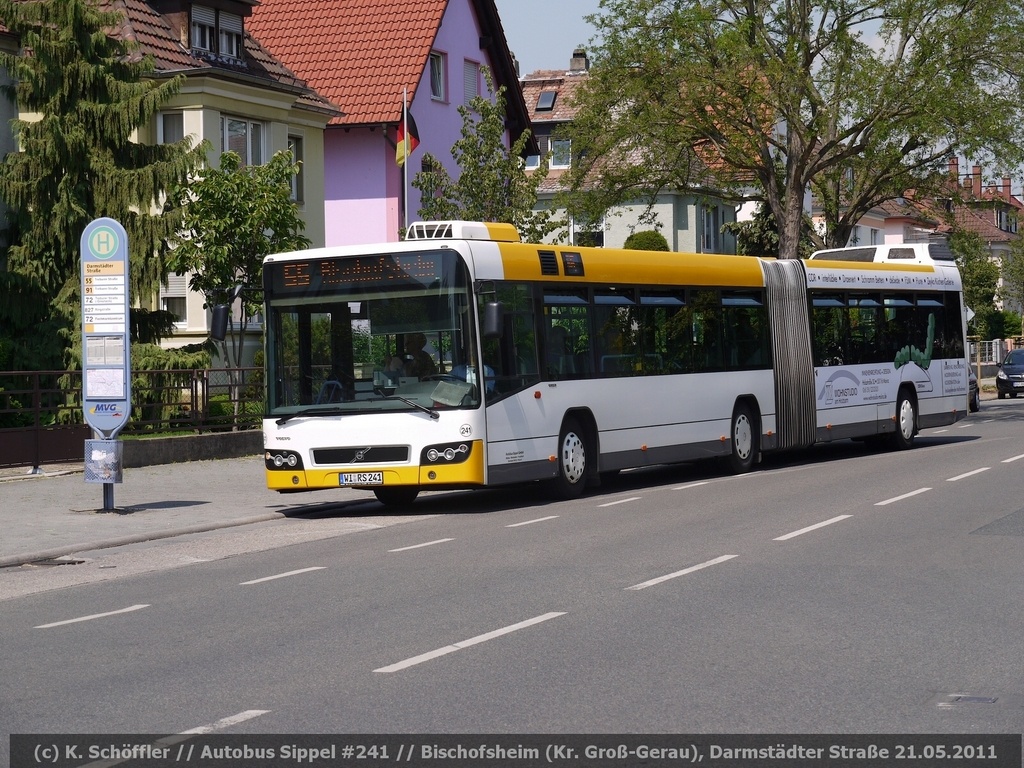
236 96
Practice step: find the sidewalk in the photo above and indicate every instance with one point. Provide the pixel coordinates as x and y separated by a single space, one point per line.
57 513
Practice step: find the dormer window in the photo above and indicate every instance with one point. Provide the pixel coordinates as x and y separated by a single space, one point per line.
217 32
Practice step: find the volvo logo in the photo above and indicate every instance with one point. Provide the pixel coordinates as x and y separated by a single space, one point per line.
360 455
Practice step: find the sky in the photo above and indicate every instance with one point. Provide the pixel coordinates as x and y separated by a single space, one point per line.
543 33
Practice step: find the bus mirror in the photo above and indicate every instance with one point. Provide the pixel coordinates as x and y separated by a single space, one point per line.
219 322
494 316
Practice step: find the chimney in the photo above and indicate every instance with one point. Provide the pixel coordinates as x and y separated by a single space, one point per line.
579 61
1006 188
954 167
976 180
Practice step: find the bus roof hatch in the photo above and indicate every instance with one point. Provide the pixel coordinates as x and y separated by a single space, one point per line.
463 230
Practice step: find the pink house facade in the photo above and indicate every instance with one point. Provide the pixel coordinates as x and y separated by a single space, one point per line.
363 55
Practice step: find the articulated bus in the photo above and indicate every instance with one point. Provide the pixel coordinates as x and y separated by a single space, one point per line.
464 358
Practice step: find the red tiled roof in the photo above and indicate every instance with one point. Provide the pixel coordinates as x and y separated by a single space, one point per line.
360 54
565 83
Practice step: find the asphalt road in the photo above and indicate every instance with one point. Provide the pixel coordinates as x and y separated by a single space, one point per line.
845 590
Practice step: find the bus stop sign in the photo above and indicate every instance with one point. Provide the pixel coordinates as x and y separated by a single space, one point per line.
106 362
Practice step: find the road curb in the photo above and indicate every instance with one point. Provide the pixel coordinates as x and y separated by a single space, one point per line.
10 561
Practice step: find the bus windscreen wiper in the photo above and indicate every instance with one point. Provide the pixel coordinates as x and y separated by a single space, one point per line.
433 414
313 412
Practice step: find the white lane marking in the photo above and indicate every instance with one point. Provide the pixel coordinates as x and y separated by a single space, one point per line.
227 722
620 501
1013 458
940 431
691 569
93 616
180 739
284 575
691 485
967 474
811 528
531 522
417 546
413 661
900 498
965 425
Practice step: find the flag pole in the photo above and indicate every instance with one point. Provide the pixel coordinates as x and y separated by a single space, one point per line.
405 155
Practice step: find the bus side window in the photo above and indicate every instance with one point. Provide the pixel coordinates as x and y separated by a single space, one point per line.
707 330
566 328
664 330
513 356
561 362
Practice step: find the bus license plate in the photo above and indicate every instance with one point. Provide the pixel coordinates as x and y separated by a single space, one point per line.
362 478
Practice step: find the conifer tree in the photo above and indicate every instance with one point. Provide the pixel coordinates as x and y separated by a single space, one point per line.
85 92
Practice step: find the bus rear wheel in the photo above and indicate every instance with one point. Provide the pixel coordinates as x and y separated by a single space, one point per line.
572 461
744 434
906 422
397 496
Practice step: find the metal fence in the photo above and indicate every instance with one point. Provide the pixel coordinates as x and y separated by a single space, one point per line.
41 417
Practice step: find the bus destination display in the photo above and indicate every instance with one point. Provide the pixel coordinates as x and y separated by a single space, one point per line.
313 275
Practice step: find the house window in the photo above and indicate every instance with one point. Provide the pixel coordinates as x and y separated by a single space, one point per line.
875 239
173 299
217 32
230 34
438 91
170 127
546 101
295 147
560 153
432 169
588 233
204 28
712 229
470 81
243 137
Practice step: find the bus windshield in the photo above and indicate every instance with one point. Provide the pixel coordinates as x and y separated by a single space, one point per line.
360 334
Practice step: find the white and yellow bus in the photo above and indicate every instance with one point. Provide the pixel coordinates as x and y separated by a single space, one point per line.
464 358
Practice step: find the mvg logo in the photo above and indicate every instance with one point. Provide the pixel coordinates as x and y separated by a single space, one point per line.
106 409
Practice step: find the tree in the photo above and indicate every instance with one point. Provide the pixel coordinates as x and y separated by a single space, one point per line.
79 161
1012 289
493 184
857 102
233 216
760 235
980 276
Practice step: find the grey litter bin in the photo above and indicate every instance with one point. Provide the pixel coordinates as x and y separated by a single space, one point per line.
104 461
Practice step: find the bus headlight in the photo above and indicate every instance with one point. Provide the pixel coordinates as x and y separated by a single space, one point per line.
284 460
451 453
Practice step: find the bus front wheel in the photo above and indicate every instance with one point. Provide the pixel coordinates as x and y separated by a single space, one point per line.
906 422
744 433
396 496
572 461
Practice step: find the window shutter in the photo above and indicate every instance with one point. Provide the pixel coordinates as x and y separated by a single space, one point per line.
204 16
230 22
177 285
470 81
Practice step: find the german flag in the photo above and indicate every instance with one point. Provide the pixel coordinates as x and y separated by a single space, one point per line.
407 134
